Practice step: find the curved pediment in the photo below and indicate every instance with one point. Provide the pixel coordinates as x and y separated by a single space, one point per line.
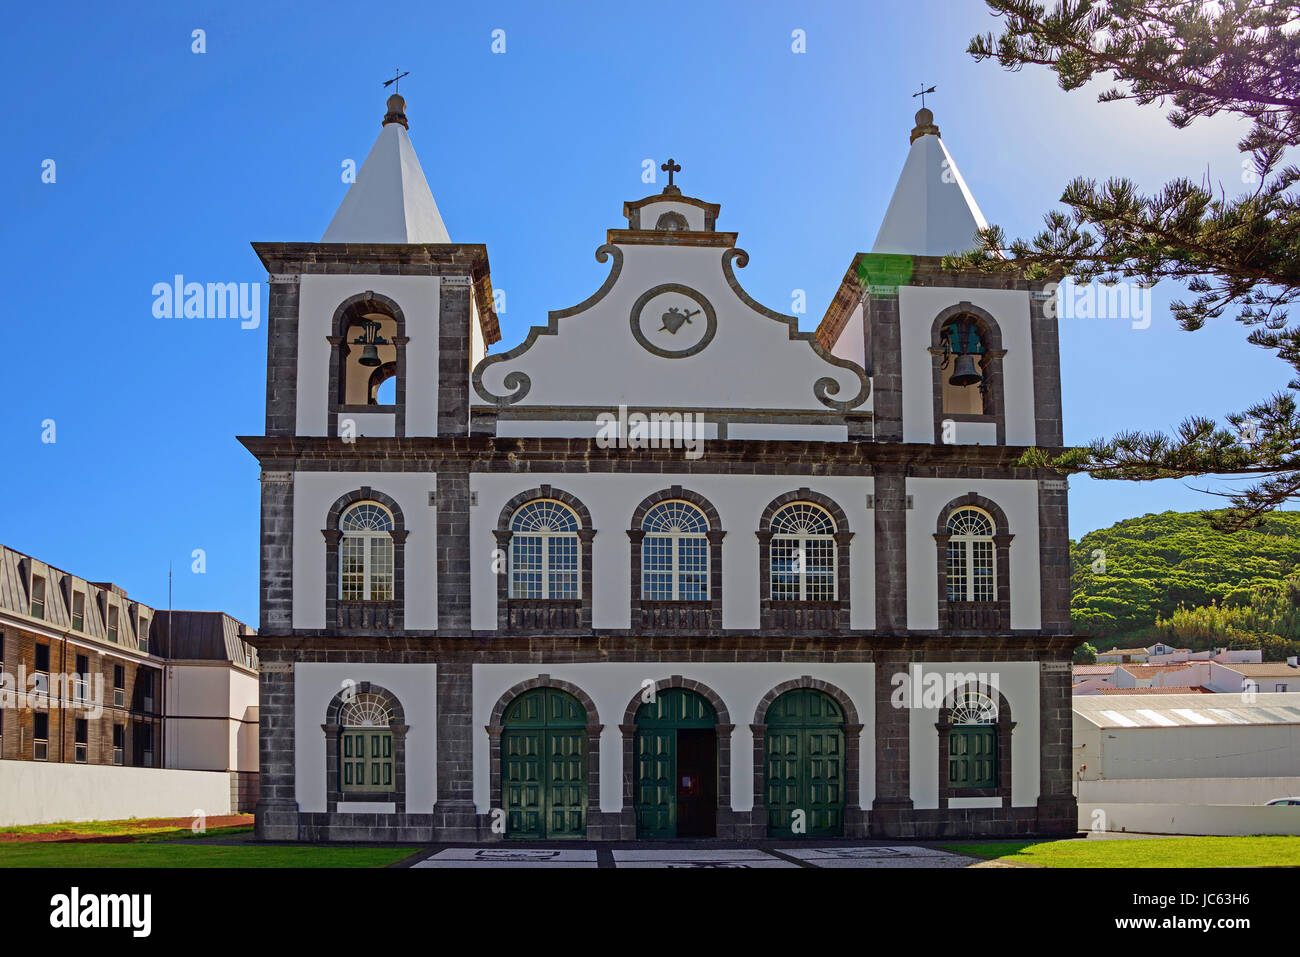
672 328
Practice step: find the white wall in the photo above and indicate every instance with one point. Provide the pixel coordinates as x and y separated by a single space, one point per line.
415 686
34 792
1018 498
1018 683
1188 790
313 495
318 298
1227 751
611 499
1226 819
212 712
611 685
917 308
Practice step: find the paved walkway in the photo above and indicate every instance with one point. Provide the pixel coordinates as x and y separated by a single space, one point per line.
742 856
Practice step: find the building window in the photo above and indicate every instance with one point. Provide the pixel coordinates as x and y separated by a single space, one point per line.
112 624
81 745
366 553
366 745
144 679
142 636
42 668
803 566
973 742
79 611
81 680
119 686
144 745
972 574
544 555
38 597
675 553
41 736
119 743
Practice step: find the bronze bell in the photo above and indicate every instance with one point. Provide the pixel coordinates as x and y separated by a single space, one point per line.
369 355
963 370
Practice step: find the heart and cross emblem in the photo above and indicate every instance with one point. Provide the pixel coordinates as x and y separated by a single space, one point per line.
674 319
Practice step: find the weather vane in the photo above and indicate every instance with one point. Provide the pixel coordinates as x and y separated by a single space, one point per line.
393 82
922 94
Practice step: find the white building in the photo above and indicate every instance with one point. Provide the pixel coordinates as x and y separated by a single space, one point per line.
663 568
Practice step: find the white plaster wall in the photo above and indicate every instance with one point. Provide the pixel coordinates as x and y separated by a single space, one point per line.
651 212
1192 819
851 344
35 792
315 492
318 298
374 424
917 308
1018 682
611 499
1188 790
787 432
721 376
209 703
1230 751
1018 498
416 687
612 685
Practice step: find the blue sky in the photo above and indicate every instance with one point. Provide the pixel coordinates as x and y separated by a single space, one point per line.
168 161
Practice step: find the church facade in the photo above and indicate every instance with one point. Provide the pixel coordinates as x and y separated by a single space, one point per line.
670 567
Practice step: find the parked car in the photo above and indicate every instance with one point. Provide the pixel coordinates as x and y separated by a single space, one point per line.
1279 801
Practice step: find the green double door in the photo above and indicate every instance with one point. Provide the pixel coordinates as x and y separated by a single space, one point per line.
675 754
805 765
544 766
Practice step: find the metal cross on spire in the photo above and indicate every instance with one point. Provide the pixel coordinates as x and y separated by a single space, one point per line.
922 94
393 82
671 167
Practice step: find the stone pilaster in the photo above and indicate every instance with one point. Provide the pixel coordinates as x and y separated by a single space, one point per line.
891 811
453 813
886 366
891 551
453 356
1044 338
1058 811
277 804
452 551
1054 555
276 565
282 355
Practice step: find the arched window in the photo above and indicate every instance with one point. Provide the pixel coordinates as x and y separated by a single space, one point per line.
366 745
972 575
366 553
803 566
544 554
675 553
973 741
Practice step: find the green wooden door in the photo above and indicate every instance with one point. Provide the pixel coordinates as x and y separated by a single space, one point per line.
805 765
973 756
654 755
544 765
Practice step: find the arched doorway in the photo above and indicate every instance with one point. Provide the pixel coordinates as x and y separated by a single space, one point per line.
676 762
805 765
544 765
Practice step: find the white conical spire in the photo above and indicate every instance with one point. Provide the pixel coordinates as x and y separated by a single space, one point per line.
390 202
932 213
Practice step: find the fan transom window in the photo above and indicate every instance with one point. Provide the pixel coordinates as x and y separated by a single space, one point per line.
971 557
366 553
544 553
675 553
974 707
366 710
803 554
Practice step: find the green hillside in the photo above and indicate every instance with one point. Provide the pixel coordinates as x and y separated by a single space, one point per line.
1172 577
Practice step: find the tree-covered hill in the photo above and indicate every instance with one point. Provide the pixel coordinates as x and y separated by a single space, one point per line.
1173 577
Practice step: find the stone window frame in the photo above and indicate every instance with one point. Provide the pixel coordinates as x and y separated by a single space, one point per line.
715 535
995 394
1005 726
333 731
1001 557
723 728
333 535
852 748
586 533
349 312
495 728
843 536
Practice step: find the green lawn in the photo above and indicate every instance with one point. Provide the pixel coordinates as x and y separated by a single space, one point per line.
1156 852
165 844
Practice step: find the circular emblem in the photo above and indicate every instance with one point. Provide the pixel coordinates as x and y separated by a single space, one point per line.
673 321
